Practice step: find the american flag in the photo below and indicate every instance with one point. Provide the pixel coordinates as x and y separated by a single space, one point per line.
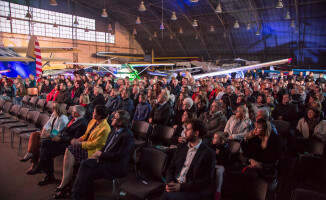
38 58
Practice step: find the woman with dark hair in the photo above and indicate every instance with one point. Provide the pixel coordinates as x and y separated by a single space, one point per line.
21 92
157 88
80 149
240 100
7 91
178 104
179 77
260 103
226 105
201 104
251 113
52 96
312 125
180 131
261 151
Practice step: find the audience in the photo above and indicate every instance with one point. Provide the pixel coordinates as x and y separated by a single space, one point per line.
286 111
238 125
162 111
143 109
98 98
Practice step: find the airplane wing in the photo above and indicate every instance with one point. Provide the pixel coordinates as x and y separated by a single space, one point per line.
184 69
250 67
48 49
52 59
94 64
20 59
150 65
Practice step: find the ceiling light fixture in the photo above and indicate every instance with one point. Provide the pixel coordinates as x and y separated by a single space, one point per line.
162 26
180 31
248 27
53 3
296 30
142 7
193 1
196 37
174 16
138 20
110 27
292 24
171 37
155 35
218 8
212 29
258 32
287 16
236 24
150 39
224 35
28 15
76 22
55 25
104 13
279 4
86 30
135 32
195 24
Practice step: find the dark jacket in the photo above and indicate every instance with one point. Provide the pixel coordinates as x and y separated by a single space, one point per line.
142 111
46 88
63 97
175 90
112 104
288 112
161 114
224 156
9 91
89 109
135 98
98 100
127 105
75 130
201 171
118 154
78 91
213 123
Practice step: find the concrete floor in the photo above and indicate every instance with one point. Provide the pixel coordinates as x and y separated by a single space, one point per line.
15 184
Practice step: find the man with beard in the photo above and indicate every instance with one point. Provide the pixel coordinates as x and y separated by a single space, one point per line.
190 174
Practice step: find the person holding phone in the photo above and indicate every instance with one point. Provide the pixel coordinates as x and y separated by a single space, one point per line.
56 123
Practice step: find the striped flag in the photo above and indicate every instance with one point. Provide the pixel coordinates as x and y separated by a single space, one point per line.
38 58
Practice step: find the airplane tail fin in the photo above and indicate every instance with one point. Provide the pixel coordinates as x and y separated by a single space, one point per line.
31 47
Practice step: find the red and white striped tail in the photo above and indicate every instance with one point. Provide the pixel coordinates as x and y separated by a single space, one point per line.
38 58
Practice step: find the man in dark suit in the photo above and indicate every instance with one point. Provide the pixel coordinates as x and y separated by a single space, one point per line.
162 111
190 174
112 161
51 148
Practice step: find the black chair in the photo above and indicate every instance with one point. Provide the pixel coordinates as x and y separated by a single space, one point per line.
14 110
316 147
32 102
162 135
148 183
48 107
5 110
2 102
301 194
243 187
25 100
285 131
25 132
140 130
40 105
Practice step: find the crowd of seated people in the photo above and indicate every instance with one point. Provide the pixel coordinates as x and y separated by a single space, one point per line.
206 114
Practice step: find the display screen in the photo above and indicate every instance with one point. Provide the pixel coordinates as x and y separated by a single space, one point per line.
18 68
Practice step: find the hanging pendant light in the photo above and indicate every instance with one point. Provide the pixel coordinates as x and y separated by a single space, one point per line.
236 24
248 27
287 16
55 25
224 35
138 20
150 39
195 24
296 30
279 4
110 27
218 8
9 18
86 30
193 1
171 37
196 37
142 7
212 29
174 16
258 32
134 32
180 31
53 3
28 15
155 35
104 13
162 26
292 24
76 22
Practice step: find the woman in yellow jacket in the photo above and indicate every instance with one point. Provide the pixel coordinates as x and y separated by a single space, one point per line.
80 149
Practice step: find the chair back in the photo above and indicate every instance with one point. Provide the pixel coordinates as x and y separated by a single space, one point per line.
243 187
234 146
48 107
14 110
40 104
32 91
25 100
302 194
140 129
70 110
42 120
6 107
2 102
162 134
23 113
152 163
316 147
284 130
33 101
33 116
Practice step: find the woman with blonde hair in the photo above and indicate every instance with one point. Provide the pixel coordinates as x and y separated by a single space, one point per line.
56 123
85 102
238 125
261 150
